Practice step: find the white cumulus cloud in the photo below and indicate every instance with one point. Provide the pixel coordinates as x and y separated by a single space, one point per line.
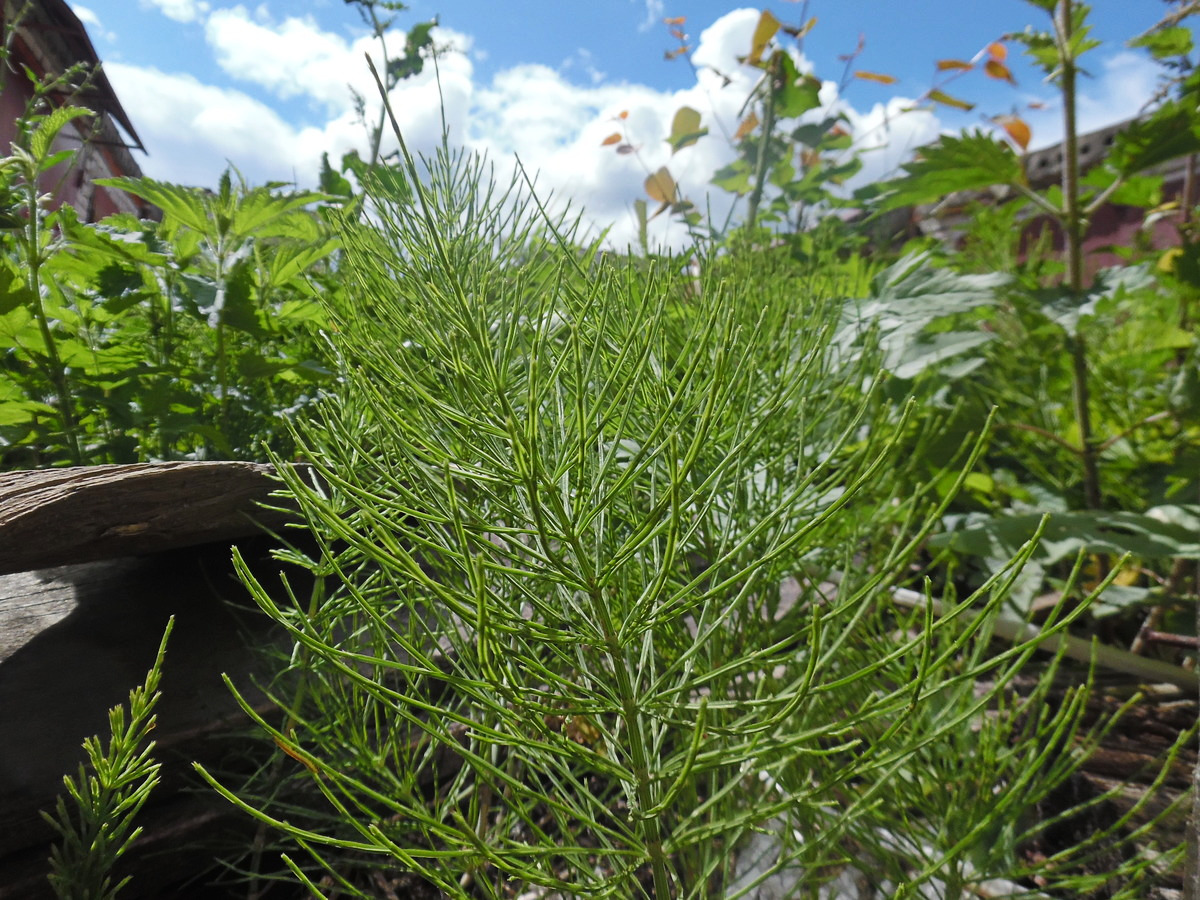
88 17
180 10
531 112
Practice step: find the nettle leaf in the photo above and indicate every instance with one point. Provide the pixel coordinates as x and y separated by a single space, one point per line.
114 280
685 129
1166 43
1173 131
1039 46
972 162
287 261
1144 191
47 129
264 214
14 290
184 205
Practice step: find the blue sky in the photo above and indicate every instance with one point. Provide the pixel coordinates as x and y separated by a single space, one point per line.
265 85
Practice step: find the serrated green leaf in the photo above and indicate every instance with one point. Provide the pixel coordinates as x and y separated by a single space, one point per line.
1166 43
184 205
47 130
1173 131
972 162
1143 191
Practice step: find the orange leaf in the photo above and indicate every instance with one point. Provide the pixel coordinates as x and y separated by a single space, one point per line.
748 125
679 34
675 20
809 158
946 100
875 76
999 71
661 186
1016 129
766 28
1036 104
614 138
623 114
945 64
997 51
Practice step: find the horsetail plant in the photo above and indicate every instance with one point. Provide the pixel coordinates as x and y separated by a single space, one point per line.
603 566
97 825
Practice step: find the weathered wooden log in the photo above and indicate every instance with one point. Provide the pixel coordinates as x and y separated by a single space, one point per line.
54 517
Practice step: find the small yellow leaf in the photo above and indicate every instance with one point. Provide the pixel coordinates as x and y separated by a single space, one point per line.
614 138
999 71
766 29
623 114
1016 129
748 125
675 20
875 76
946 100
804 29
661 186
944 65
997 51
1166 262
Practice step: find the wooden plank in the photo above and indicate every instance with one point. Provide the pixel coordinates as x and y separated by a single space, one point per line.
53 517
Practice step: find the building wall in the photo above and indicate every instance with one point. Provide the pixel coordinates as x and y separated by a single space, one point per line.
49 40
